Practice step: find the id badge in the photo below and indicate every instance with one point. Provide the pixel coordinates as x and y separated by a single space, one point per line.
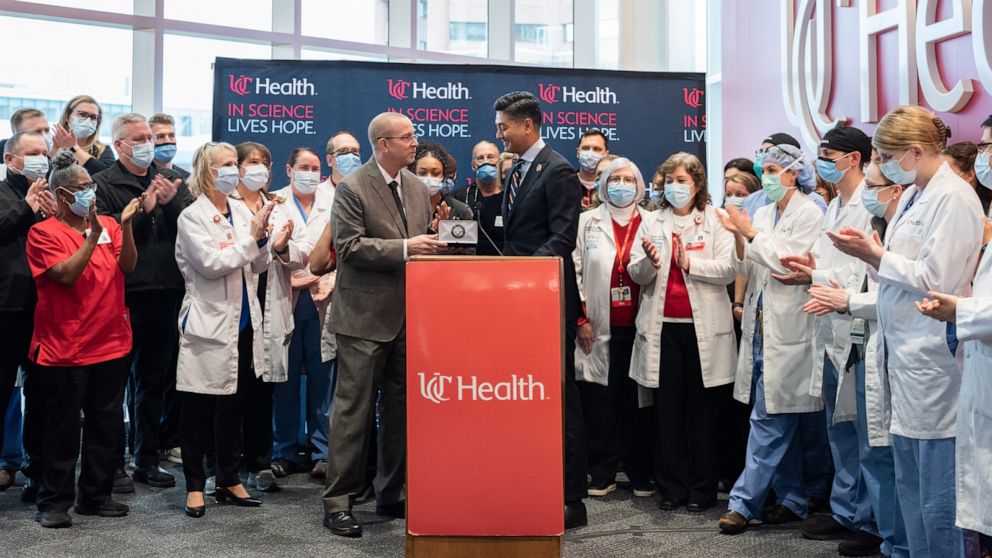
858 331
620 297
499 221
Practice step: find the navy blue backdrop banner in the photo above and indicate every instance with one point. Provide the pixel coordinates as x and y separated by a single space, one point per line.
286 104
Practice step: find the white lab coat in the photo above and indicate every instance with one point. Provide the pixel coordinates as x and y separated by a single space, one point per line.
213 255
595 257
974 421
878 404
934 246
711 269
832 332
788 360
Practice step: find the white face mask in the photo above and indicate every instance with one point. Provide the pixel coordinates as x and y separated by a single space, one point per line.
306 181
142 154
256 176
433 184
227 179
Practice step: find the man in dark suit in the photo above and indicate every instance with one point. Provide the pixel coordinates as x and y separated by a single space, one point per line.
381 216
541 200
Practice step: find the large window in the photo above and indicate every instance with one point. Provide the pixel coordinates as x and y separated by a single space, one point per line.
243 14
360 21
454 27
543 32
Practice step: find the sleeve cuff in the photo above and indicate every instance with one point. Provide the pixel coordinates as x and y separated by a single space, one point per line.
406 255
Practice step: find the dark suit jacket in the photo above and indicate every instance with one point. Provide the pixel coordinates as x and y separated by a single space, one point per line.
544 220
370 294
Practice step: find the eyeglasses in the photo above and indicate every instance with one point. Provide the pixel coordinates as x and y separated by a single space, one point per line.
984 147
409 138
344 151
87 116
628 180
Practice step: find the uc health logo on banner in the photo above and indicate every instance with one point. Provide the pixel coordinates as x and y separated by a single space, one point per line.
440 388
567 116
268 112
429 119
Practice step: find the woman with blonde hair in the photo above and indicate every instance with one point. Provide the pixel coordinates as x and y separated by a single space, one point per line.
81 118
931 244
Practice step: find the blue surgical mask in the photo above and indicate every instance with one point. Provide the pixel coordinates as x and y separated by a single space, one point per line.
347 162
982 170
869 197
256 177
735 201
141 154
486 173
82 128
656 196
447 186
773 187
82 200
165 152
306 181
828 170
35 167
589 159
678 195
892 169
433 184
620 194
227 179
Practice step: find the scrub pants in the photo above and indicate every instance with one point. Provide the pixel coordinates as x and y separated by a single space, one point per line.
849 498
817 467
879 474
925 484
304 352
10 453
774 458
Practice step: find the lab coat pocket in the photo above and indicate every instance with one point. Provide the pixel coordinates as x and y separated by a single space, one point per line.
206 322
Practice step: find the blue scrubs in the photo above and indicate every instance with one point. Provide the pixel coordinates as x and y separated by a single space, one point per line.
925 484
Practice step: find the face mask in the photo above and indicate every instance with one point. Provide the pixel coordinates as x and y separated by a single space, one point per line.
486 173
734 201
35 167
772 185
869 197
255 177
347 162
656 197
588 160
759 159
82 200
678 195
828 170
82 128
164 153
620 194
982 170
142 154
227 179
892 169
433 184
306 181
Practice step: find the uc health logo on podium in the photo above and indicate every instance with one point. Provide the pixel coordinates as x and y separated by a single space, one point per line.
438 388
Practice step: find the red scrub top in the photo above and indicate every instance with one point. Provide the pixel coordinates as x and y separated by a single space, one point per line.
86 322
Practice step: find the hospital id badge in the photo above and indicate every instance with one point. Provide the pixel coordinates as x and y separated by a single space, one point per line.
858 331
620 297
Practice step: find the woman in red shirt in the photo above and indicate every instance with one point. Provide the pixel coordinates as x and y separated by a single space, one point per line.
81 338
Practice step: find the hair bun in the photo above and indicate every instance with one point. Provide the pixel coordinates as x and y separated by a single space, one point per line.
943 129
63 159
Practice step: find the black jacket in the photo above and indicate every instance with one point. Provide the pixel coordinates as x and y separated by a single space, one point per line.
545 218
154 234
101 163
17 293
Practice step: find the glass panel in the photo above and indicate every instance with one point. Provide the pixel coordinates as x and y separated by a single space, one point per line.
318 54
187 88
608 34
453 27
543 32
246 14
116 6
361 21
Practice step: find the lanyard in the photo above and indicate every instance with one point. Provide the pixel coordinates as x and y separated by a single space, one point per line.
908 205
300 207
623 249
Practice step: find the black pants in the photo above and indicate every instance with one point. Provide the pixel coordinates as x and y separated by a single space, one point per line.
153 365
215 420
15 331
256 425
615 427
35 418
97 391
686 420
576 453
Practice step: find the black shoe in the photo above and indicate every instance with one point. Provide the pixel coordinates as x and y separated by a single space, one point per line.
109 508
668 504
698 507
824 528
860 544
343 524
223 495
154 476
732 523
29 494
779 514
575 515
6 478
122 483
282 468
601 487
397 510
55 519
642 489
194 511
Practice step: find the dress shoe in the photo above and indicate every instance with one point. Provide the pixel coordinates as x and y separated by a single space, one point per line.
263 481
108 508
575 515
668 504
224 495
174 455
282 468
779 514
732 523
860 544
601 487
55 519
397 510
343 524
824 528
29 494
642 489
319 470
6 479
699 507
122 483
154 476
195 511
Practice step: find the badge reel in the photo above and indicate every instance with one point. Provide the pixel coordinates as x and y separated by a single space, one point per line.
458 232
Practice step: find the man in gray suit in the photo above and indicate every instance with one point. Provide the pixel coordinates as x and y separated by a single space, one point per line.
381 217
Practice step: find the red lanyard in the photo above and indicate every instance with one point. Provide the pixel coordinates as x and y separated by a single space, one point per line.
623 249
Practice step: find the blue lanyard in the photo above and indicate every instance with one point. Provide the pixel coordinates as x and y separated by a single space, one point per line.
300 207
908 205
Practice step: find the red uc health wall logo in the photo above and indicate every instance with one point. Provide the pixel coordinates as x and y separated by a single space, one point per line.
548 92
239 84
397 88
693 97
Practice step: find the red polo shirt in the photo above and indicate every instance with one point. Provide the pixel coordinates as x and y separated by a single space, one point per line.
86 322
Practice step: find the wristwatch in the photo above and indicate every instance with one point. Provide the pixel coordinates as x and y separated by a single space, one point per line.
280 252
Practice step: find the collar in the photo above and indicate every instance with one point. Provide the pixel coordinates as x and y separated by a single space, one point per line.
387 178
531 153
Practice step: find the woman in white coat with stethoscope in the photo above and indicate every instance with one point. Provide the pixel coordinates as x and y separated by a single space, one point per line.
775 361
617 428
932 244
218 250
685 348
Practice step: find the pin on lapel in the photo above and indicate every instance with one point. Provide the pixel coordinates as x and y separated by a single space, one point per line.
216 218
539 167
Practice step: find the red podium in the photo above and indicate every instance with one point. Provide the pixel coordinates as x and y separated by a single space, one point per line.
485 350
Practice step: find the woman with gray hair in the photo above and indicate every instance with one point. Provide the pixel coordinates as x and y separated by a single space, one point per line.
615 426
777 372
80 343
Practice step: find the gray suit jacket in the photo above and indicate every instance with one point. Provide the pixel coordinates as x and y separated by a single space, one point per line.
370 294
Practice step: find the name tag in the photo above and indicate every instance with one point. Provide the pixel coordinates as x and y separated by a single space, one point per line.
620 297
697 243
104 237
499 221
858 331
